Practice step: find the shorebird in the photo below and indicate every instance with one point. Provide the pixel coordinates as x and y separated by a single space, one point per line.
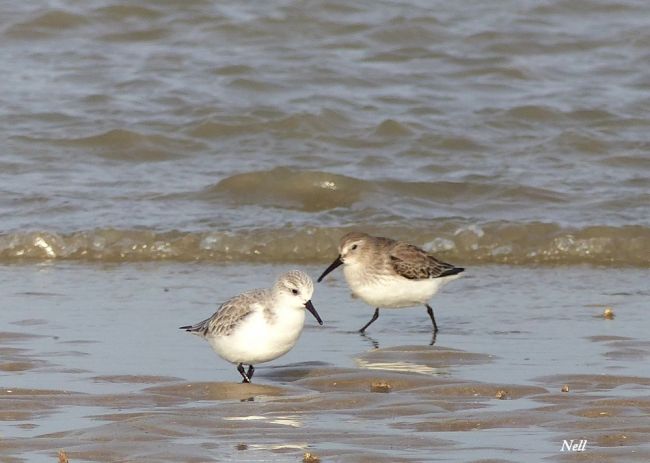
259 325
391 274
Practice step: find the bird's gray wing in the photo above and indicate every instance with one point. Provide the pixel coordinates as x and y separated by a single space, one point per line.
230 314
416 264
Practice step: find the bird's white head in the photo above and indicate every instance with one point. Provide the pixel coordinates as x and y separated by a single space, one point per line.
294 289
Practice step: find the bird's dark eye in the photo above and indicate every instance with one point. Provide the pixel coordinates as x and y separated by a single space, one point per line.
294 291
354 246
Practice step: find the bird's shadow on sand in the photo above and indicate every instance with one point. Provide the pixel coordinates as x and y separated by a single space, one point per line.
294 371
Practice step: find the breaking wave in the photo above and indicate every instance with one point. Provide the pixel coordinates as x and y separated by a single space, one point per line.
489 243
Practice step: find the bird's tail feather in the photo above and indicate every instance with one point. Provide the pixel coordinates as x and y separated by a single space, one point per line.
200 328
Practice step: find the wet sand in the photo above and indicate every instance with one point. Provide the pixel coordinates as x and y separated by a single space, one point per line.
111 379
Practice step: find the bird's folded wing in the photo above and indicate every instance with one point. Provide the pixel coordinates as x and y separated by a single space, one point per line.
416 264
230 314
233 312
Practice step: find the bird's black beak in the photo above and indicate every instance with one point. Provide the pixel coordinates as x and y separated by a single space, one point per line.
309 306
334 264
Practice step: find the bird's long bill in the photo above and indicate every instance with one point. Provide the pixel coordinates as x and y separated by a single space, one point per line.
309 306
334 264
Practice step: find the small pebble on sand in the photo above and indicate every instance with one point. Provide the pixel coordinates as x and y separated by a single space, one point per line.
310 458
380 386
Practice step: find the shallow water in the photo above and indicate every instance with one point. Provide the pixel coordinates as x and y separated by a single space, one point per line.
509 132
103 339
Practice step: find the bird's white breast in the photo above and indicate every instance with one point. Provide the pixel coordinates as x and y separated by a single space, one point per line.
259 339
390 290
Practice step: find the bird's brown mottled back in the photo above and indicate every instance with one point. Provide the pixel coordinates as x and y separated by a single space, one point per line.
416 264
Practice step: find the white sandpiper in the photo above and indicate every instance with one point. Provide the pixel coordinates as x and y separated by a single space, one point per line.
259 325
391 274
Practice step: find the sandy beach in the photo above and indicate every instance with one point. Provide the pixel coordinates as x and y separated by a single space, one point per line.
139 390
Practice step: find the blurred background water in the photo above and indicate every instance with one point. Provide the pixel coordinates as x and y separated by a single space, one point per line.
504 132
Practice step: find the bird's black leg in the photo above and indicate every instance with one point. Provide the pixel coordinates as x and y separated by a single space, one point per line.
250 372
433 319
240 369
374 317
